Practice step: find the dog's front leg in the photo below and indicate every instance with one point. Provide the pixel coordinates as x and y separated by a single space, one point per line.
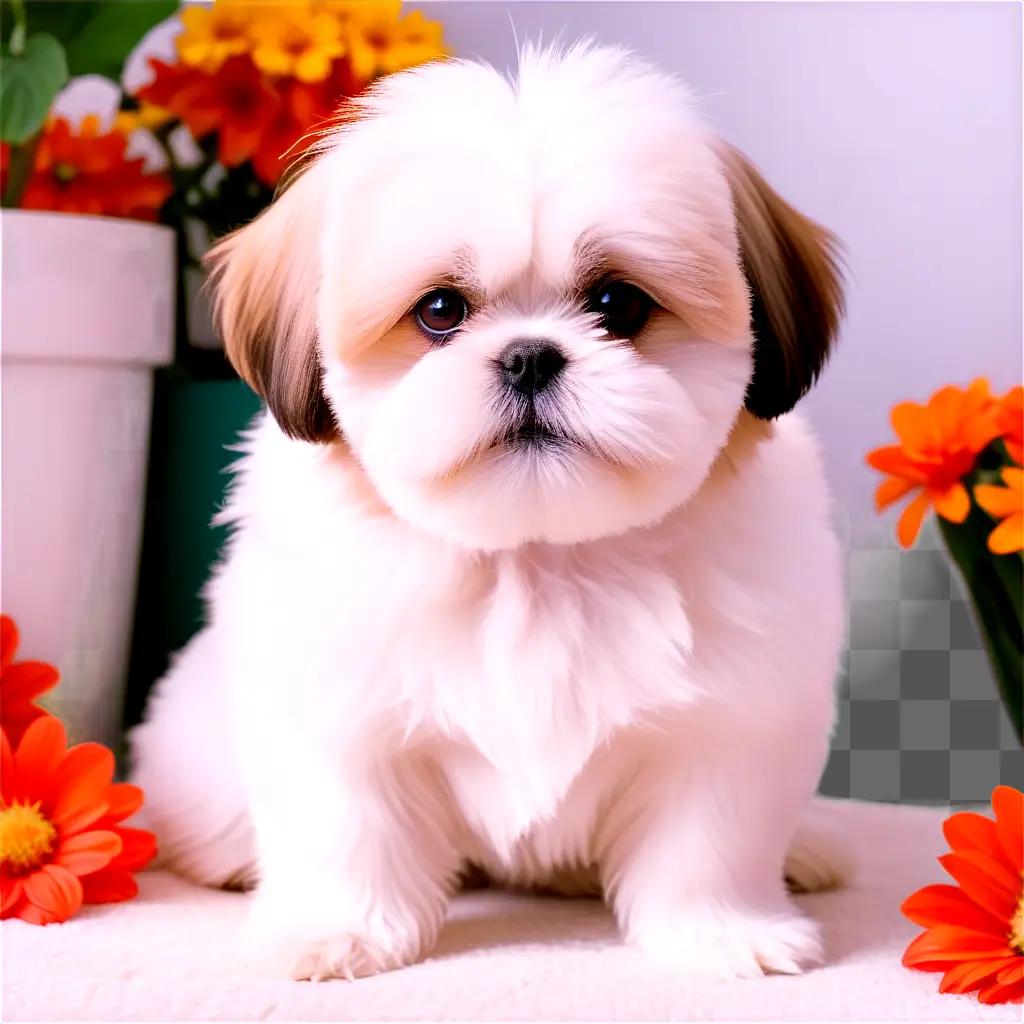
694 861
355 860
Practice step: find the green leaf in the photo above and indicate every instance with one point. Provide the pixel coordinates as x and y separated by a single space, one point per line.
100 45
995 583
28 84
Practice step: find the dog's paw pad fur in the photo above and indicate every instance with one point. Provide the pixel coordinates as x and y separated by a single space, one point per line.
346 956
735 946
307 950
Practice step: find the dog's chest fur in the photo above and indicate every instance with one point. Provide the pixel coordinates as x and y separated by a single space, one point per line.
529 660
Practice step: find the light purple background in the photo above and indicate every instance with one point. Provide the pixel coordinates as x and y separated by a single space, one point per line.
898 125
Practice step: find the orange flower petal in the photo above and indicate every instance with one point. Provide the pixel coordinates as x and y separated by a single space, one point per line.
1012 972
41 749
238 142
7 772
88 851
953 504
138 848
980 390
33 915
968 975
80 787
8 640
910 521
914 427
893 460
947 944
948 904
23 682
981 428
54 890
109 885
1011 993
123 800
1008 536
10 892
997 501
891 489
947 408
1008 806
986 880
966 830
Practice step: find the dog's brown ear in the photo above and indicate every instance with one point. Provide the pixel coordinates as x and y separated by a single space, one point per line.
796 298
264 281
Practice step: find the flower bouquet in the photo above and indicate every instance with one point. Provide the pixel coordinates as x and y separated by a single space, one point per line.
961 454
45 162
252 82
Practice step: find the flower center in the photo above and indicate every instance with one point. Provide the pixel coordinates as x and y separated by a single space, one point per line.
1016 937
26 838
65 171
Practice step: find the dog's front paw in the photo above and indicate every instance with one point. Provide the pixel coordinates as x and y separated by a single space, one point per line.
347 956
288 946
734 944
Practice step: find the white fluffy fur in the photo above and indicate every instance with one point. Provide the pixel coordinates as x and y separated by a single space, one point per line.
611 663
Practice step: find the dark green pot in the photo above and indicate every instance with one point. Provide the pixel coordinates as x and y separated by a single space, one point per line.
194 421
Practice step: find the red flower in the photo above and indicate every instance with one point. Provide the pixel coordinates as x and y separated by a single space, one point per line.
976 928
236 101
89 172
303 107
61 842
20 684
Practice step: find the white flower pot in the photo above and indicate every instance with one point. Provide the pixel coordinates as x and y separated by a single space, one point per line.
87 313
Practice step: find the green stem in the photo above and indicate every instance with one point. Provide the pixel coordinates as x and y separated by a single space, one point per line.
21 160
20 30
995 584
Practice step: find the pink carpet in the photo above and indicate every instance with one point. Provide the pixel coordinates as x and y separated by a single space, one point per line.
172 955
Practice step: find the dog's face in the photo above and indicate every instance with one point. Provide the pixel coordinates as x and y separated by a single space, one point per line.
529 309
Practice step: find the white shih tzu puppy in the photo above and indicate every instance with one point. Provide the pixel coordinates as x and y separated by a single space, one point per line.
531 567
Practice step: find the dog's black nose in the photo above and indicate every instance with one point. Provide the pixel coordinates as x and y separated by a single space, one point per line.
529 366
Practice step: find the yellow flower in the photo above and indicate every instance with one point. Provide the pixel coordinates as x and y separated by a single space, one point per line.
379 45
148 116
367 11
294 40
1005 503
214 34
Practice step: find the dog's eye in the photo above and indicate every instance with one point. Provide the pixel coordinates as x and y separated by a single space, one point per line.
622 307
441 311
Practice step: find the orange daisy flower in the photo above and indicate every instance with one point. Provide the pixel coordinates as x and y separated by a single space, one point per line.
88 171
1005 503
20 684
975 929
1010 420
939 443
61 844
